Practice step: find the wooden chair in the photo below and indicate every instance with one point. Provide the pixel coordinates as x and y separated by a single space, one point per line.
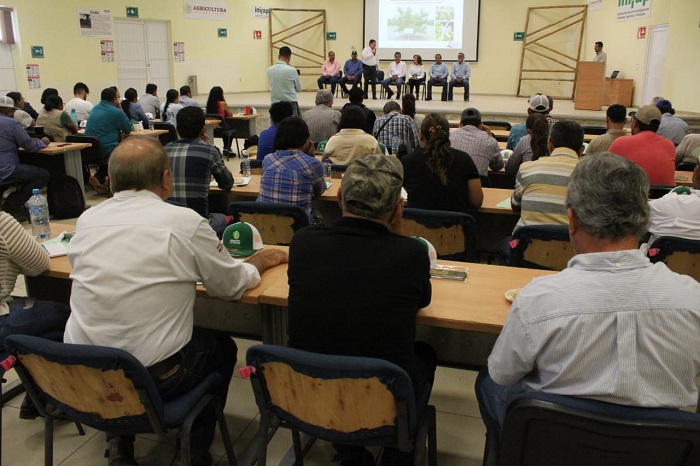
109 390
255 166
453 234
341 399
553 430
276 222
679 254
541 247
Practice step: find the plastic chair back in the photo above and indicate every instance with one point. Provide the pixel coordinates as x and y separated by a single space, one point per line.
546 247
276 222
656 191
596 130
453 234
255 166
168 137
89 155
679 254
338 170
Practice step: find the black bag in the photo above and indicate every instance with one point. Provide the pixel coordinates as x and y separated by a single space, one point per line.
65 197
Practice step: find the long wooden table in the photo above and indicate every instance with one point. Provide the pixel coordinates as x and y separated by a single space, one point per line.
70 151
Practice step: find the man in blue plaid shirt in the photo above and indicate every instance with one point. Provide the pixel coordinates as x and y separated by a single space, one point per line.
193 162
292 174
393 122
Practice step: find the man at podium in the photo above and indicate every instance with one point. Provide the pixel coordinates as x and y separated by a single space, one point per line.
600 56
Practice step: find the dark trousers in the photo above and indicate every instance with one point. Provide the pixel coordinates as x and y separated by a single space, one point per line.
355 81
432 82
369 74
423 375
208 351
29 178
333 80
464 84
36 318
415 84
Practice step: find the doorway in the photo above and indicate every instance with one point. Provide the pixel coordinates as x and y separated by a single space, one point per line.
8 80
143 55
655 63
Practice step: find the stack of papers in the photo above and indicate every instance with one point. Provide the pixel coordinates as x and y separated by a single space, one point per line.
57 246
450 272
237 181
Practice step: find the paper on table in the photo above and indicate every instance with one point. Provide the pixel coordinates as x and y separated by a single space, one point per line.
56 249
236 182
504 204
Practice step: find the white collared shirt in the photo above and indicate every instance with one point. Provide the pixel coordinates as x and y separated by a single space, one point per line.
397 69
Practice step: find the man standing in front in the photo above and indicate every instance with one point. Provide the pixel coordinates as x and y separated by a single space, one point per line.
136 261
378 317
330 72
284 80
476 139
193 162
322 120
612 326
369 67
461 71
397 73
438 77
352 72
600 56
109 124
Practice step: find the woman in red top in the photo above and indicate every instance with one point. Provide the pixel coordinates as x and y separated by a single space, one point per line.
216 105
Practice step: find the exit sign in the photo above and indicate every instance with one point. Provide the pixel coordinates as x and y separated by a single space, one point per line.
132 12
518 36
222 32
37 51
330 36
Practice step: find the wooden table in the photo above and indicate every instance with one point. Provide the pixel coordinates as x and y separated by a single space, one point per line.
150 133
684 178
72 161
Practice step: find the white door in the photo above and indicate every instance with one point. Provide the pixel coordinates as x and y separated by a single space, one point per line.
143 55
8 80
656 60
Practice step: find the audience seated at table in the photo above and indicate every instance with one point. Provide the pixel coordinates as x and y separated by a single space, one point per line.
266 142
671 127
150 101
611 327
133 109
476 139
168 111
688 146
615 120
292 174
532 146
28 177
55 120
537 103
393 123
322 119
24 118
79 102
186 99
351 142
48 92
193 163
655 154
438 176
356 97
374 316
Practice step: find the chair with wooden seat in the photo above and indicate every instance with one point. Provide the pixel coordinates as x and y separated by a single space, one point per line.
453 234
276 222
552 430
255 167
502 125
545 247
342 399
679 254
168 137
109 390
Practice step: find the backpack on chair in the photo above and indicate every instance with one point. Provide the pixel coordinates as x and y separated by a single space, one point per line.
65 197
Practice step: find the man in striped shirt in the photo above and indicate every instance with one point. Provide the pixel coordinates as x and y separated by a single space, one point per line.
612 327
540 186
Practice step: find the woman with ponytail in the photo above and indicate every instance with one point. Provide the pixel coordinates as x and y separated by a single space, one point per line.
438 177
54 120
531 146
133 109
171 106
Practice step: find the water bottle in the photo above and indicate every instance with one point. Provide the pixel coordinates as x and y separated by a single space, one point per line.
395 144
74 116
245 166
327 170
39 214
150 124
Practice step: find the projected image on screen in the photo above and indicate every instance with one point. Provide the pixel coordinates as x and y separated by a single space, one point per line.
425 27
422 24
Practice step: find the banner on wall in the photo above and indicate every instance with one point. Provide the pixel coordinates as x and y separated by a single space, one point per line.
213 11
595 5
33 77
261 11
95 23
633 9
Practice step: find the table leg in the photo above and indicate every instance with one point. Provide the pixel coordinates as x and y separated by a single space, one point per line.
210 133
73 165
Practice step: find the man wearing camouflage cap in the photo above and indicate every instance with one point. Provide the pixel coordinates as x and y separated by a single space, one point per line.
355 287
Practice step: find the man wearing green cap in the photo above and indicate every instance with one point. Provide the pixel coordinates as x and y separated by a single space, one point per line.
375 316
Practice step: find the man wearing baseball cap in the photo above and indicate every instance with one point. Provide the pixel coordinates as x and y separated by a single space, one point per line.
12 137
476 139
332 311
671 126
655 154
537 103
352 72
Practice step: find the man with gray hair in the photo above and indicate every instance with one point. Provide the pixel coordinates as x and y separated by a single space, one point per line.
611 327
322 120
136 262
374 316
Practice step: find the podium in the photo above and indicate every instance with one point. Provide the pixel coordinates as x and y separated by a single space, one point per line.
590 80
618 91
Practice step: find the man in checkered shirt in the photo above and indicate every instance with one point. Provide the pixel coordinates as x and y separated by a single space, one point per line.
393 122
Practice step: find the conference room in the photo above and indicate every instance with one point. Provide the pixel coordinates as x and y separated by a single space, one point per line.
231 44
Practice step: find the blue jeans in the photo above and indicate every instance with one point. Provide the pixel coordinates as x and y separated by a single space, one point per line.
36 318
494 400
432 82
355 81
333 80
387 82
29 177
464 84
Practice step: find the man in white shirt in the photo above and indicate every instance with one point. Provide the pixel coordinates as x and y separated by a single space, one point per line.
600 56
136 261
397 74
369 67
612 326
79 102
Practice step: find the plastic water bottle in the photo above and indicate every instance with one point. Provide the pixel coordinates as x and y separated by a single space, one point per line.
245 166
395 143
39 214
74 116
327 170
150 124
